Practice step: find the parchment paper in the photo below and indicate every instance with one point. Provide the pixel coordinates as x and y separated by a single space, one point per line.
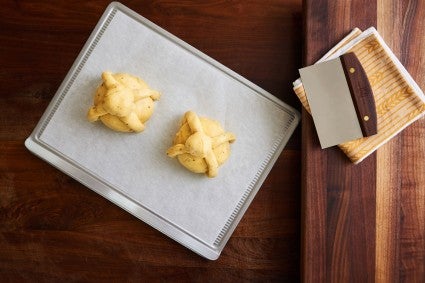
136 164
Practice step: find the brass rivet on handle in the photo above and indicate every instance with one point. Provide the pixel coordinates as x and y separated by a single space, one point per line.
366 118
352 70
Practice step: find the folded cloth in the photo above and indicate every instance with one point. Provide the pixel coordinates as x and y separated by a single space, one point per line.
399 100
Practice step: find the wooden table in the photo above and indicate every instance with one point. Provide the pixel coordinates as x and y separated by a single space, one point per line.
53 228
366 222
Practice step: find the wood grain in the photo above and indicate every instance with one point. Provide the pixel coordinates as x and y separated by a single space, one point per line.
334 193
361 94
54 229
339 210
400 193
388 185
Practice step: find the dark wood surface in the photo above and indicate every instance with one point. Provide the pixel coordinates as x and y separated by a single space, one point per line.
339 198
53 228
366 222
361 94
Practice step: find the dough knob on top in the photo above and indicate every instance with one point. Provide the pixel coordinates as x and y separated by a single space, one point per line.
201 145
123 102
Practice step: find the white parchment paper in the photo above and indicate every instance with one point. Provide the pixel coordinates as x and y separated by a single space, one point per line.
136 164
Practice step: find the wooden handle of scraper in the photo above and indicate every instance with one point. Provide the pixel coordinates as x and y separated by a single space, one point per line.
361 93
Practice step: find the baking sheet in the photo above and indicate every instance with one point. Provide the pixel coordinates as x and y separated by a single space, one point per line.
132 170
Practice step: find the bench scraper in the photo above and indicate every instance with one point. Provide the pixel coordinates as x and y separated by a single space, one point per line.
341 100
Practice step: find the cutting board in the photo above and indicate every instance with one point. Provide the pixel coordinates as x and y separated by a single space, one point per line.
366 222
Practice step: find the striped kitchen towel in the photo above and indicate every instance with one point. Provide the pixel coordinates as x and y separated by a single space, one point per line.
399 100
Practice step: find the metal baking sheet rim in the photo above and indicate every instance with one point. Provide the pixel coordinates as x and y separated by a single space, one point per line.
95 183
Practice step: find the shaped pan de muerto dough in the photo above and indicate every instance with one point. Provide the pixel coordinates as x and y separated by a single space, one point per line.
201 145
123 102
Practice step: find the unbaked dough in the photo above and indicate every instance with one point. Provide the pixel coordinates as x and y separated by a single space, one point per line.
201 145
123 102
